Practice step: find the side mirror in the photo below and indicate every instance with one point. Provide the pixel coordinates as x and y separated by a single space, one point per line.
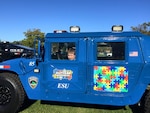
39 49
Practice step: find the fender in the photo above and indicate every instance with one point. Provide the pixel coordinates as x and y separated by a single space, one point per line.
20 66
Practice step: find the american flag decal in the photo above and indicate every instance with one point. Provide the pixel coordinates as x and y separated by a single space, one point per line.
133 54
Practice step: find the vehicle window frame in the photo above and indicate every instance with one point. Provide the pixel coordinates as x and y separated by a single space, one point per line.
76 52
114 58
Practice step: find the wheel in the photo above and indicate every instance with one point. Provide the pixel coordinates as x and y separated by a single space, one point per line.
147 102
11 93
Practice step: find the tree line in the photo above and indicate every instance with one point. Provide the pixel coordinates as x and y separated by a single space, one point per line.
143 28
31 34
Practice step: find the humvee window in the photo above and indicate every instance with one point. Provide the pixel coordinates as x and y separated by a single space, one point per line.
110 51
63 50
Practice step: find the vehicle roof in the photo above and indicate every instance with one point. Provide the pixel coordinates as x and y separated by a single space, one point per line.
24 47
15 45
94 34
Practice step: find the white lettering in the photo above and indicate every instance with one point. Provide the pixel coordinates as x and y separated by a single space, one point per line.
63 85
32 63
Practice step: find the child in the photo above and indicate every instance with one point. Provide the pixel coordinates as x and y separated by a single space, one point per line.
71 54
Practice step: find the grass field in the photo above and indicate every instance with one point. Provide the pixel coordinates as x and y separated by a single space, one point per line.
53 107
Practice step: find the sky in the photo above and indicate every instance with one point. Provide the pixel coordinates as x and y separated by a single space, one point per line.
18 16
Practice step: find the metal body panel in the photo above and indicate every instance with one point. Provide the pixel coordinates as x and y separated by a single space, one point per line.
118 77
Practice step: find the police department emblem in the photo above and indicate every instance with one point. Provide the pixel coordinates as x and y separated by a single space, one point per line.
33 82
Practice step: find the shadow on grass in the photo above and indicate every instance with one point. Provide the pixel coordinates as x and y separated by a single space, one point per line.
134 108
27 104
95 106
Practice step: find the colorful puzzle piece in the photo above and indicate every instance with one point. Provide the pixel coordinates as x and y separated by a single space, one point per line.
110 78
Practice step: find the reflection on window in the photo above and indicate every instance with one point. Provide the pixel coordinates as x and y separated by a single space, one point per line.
110 51
63 51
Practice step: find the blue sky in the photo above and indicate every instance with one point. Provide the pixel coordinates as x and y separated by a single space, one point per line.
18 16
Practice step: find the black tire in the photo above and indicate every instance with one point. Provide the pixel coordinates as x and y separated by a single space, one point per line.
11 93
147 102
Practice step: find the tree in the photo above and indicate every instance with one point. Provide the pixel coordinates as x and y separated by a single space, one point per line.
17 42
30 36
143 28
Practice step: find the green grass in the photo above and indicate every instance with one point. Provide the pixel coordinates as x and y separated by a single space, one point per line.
37 107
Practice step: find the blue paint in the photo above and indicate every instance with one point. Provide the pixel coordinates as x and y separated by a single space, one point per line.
133 54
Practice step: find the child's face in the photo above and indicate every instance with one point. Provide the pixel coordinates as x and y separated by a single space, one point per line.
71 56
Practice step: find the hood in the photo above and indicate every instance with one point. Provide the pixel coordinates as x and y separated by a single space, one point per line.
19 65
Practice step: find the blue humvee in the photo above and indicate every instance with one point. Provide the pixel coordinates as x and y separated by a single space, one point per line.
108 68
